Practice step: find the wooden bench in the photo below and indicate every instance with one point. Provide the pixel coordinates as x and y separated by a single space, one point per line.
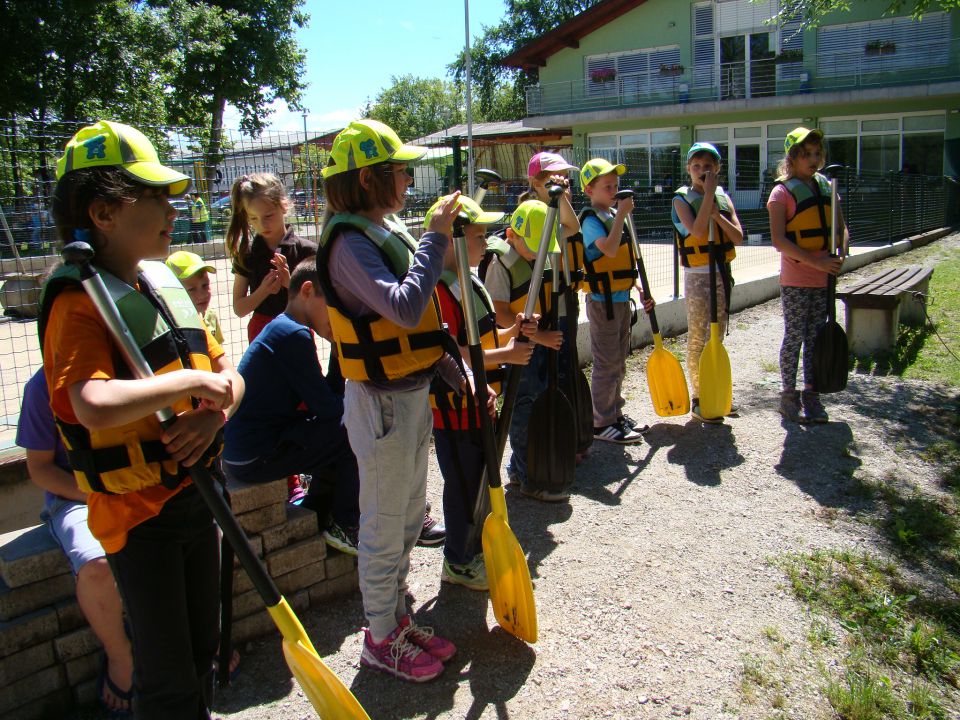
876 306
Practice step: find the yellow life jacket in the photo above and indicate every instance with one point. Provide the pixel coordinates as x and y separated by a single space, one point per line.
489 340
372 347
810 227
695 251
607 275
574 260
171 335
520 272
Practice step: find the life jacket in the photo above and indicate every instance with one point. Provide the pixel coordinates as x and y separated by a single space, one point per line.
372 347
520 272
574 260
170 333
198 211
810 227
489 340
607 275
695 251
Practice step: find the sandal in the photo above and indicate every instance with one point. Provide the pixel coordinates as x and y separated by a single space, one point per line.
234 665
105 684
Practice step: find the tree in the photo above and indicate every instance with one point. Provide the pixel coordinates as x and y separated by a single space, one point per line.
497 90
811 12
415 107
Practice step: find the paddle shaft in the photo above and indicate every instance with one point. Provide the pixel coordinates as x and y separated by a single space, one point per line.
712 259
831 278
641 269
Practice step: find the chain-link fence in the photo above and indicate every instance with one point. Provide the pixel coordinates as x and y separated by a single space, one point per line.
879 209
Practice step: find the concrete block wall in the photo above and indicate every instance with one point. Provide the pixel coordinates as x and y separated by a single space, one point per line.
50 658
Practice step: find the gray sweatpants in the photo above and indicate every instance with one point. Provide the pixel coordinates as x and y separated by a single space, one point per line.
610 344
390 435
696 290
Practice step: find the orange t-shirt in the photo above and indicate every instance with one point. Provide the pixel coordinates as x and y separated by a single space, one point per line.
78 347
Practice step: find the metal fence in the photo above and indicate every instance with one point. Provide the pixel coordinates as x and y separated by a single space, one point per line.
879 209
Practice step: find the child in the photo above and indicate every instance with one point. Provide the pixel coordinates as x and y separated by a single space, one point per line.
379 284
159 535
262 264
610 267
544 170
459 451
694 206
799 208
194 274
65 514
507 279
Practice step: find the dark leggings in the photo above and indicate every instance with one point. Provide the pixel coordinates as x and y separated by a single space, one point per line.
459 492
168 575
804 310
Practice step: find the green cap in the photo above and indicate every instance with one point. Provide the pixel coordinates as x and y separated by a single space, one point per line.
800 135
113 144
470 212
701 147
368 142
186 264
593 169
527 221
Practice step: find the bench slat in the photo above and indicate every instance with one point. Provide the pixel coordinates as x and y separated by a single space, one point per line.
888 283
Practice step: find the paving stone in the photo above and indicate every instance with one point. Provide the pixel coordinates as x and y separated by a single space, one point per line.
69 614
18 601
29 555
277 537
241 582
256 542
85 693
301 523
28 630
331 589
257 520
296 556
76 643
54 705
245 497
246 604
252 626
338 563
26 662
83 668
301 578
33 689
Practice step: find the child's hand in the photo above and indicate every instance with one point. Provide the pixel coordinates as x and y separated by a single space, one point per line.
829 265
710 181
214 390
518 353
280 265
624 206
442 220
560 180
525 327
648 303
552 339
492 403
272 283
189 437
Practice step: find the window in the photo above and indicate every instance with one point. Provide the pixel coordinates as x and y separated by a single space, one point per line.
909 143
923 153
704 45
652 157
635 73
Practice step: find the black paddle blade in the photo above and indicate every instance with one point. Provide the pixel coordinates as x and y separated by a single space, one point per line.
551 443
582 405
830 359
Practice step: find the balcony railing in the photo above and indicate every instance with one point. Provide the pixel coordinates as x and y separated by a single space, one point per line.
866 67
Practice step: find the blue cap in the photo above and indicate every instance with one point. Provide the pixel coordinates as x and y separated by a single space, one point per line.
703 147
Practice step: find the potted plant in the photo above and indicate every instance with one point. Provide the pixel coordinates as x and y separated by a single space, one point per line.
789 56
880 47
603 75
671 70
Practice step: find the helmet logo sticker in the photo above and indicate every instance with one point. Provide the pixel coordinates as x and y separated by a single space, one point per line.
518 223
96 147
369 148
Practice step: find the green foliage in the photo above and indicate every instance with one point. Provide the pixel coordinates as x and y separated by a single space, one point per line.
812 12
415 107
863 693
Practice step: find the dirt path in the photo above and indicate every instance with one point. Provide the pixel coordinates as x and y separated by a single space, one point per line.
654 585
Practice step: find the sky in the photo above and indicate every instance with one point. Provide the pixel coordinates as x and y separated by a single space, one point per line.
353 48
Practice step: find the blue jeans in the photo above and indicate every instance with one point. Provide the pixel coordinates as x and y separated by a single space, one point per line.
533 381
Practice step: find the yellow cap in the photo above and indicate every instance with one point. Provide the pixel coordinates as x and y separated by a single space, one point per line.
800 135
470 213
597 167
368 142
113 144
527 221
186 264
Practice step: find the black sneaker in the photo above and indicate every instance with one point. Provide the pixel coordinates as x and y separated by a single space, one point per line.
343 539
617 433
633 424
433 532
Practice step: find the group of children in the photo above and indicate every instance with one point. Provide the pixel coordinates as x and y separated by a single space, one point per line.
392 308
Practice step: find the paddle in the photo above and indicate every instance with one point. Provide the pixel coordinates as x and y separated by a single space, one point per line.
513 377
577 387
329 696
830 352
552 429
484 177
716 383
508 577
665 377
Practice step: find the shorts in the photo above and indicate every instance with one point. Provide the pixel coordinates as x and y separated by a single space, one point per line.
67 520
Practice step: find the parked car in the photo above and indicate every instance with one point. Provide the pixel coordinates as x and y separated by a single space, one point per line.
222 208
182 207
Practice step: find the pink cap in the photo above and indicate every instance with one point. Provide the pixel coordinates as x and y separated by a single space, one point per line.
547 161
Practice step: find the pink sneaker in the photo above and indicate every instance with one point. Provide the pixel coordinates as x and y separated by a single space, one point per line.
399 656
424 638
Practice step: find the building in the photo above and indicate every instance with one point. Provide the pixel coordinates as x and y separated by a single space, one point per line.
641 80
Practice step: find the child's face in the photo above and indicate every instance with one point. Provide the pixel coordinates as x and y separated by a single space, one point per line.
476 236
401 181
198 288
602 191
539 184
520 245
318 314
701 164
142 229
267 218
808 160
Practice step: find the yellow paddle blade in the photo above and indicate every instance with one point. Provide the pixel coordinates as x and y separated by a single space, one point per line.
667 382
508 576
716 381
329 696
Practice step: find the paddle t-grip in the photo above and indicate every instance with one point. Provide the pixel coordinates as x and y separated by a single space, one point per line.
484 176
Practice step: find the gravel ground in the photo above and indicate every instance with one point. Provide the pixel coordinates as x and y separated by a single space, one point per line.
654 585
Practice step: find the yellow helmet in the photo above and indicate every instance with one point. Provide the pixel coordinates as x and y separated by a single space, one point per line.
470 213
527 221
597 167
113 144
368 142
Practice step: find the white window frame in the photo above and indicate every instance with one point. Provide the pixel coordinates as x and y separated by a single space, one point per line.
886 116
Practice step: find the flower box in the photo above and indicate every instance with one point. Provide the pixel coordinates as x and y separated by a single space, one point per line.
671 70
789 56
880 47
603 75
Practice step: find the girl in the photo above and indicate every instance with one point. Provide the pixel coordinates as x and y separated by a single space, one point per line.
546 169
379 283
694 207
262 264
158 534
799 208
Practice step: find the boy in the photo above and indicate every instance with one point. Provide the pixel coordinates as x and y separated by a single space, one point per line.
610 270
273 436
194 274
507 278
